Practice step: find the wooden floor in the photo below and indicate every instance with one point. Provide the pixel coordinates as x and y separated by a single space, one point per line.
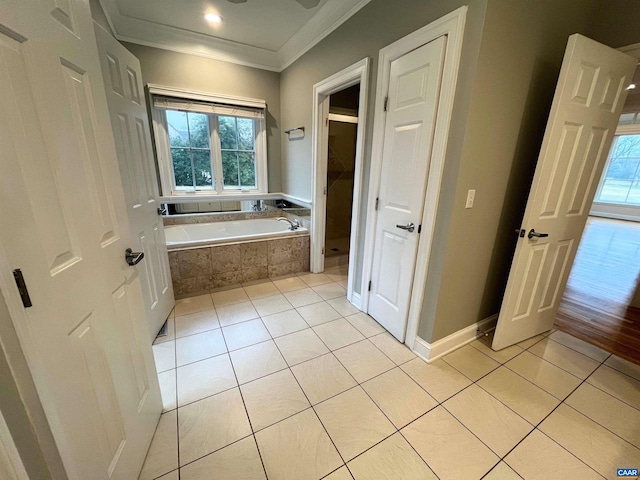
605 274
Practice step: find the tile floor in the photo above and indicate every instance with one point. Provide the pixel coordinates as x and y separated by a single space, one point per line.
286 380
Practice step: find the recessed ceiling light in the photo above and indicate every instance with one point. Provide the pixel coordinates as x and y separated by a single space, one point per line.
213 18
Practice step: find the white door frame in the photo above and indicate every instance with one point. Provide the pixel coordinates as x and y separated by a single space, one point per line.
356 73
451 25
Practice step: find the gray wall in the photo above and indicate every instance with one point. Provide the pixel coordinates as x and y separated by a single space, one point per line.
190 72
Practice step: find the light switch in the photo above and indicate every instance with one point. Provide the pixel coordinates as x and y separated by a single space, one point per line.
471 196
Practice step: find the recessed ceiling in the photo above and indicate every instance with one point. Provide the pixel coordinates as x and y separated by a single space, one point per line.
269 34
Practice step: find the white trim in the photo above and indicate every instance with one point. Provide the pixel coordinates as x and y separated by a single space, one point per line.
329 16
165 91
356 300
615 210
358 73
237 197
432 351
336 117
11 466
451 25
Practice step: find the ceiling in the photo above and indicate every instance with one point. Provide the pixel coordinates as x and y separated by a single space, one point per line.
268 34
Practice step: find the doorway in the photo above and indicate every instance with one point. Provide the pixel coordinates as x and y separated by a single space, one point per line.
341 160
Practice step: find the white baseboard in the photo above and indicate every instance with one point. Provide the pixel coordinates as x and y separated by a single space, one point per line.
356 301
432 351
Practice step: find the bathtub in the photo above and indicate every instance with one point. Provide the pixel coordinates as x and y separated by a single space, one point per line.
195 235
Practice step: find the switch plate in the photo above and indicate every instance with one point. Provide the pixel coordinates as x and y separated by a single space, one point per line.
471 196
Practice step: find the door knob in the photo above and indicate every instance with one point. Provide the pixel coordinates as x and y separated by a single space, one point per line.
409 226
162 211
533 233
133 258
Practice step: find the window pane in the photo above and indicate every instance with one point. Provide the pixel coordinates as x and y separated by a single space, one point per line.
247 169
182 167
202 167
178 129
245 134
230 169
199 130
227 132
622 177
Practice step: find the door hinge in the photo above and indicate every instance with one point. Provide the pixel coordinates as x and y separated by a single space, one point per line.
369 285
324 190
386 103
326 121
22 288
377 201
322 251
419 228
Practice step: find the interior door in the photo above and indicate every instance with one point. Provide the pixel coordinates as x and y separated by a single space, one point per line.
64 225
130 123
414 88
586 107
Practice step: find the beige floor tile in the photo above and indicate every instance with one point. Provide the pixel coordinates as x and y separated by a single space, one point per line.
162 456
573 362
491 421
323 377
363 360
185 306
354 422
547 376
624 366
330 290
439 378
170 476
290 284
608 411
343 306
471 362
196 323
528 400
579 345
366 325
540 458
229 297
282 323
297 448
238 461
400 398
483 344
392 458
618 384
164 355
338 333
273 304
301 346
261 290
244 334
449 449
273 398
314 279
593 444
341 474
171 332
300 298
392 348
204 378
168 390
236 313
318 313
502 471
256 361
200 346
530 341
210 424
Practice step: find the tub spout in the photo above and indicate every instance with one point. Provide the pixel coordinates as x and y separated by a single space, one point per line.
293 224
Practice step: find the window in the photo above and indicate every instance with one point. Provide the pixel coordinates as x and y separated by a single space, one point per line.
620 183
209 147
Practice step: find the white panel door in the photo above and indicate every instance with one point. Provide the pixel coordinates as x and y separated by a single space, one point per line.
589 97
64 224
130 123
414 88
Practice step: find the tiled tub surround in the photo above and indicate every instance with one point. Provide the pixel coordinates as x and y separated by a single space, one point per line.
199 270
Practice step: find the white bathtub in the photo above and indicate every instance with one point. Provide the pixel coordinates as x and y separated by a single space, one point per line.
205 234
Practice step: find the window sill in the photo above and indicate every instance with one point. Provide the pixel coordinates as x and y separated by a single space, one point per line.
211 197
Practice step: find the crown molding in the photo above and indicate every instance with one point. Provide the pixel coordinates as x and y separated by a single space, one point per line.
330 16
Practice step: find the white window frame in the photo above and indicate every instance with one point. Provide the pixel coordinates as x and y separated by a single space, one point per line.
163 150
